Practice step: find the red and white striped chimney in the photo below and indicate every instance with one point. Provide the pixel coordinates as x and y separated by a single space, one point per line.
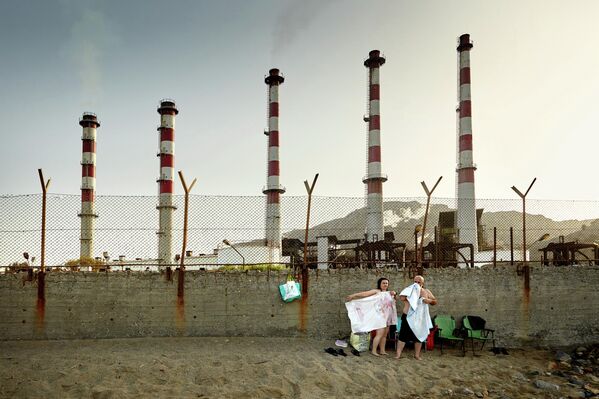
273 189
166 208
374 178
466 213
89 122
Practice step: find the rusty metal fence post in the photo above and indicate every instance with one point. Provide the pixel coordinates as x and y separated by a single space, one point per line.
428 202
494 246
41 278
180 285
511 246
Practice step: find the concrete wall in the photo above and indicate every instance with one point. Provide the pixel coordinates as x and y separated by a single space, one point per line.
561 309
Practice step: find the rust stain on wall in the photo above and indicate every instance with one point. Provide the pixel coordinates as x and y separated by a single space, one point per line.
41 300
527 284
180 311
304 300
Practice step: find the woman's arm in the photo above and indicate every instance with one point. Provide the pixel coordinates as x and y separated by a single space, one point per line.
359 295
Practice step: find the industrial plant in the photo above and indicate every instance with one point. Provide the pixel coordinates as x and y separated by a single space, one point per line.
457 240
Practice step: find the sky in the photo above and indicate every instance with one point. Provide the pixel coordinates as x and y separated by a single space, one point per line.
535 93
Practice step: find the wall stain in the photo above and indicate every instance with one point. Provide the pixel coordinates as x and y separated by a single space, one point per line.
180 311
304 300
41 301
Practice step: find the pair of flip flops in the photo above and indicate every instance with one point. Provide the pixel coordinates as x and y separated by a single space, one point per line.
335 352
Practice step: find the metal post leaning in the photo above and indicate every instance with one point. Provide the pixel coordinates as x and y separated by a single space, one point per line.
309 189
181 280
428 201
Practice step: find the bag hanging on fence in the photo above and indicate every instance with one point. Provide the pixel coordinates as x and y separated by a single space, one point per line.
290 290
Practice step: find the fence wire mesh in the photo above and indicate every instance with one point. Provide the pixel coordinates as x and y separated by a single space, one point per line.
125 231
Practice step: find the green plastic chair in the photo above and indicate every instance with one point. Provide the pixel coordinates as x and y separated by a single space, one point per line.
447 331
474 329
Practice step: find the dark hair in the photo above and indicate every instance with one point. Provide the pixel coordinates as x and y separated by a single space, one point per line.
378 283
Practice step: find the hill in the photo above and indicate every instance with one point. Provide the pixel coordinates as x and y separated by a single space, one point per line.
401 217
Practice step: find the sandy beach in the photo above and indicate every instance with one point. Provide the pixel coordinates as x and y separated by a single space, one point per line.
265 368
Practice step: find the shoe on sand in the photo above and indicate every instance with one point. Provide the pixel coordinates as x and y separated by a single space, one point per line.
355 352
331 351
341 352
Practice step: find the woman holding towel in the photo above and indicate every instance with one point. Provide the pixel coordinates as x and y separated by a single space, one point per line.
380 339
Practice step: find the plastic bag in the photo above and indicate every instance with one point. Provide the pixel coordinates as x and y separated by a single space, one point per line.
290 290
360 341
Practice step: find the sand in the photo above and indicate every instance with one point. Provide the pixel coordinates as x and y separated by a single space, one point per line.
262 368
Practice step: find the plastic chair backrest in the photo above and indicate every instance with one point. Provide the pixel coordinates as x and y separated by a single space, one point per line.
446 325
471 332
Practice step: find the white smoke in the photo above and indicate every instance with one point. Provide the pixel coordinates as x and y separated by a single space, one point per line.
390 218
88 46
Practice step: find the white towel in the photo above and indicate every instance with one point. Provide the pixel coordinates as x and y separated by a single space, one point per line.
412 293
420 320
371 313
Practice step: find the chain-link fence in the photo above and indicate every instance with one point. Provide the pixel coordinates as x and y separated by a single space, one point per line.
125 232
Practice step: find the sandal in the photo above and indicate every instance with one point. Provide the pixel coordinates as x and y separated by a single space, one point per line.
331 351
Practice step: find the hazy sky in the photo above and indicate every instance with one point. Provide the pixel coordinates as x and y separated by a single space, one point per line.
535 91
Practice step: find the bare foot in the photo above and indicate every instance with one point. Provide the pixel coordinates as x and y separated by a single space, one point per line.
383 353
417 358
374 354
397 357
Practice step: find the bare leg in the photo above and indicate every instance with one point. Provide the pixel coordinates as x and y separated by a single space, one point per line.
400 346
417 348
376 340
383 341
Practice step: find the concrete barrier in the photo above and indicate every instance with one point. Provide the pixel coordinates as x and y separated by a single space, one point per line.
561 307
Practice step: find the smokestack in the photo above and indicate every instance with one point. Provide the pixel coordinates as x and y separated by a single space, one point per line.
374 178
167 111
466 213
89 122
273 189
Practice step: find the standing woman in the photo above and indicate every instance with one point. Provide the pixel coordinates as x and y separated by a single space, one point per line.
380 339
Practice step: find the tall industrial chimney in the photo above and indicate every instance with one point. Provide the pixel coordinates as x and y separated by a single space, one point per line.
89 122
166 208
374 178
466 213
273 189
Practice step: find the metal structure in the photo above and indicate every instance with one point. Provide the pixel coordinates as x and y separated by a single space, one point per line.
273 189
466 208
564 253
443 254
89 122
347 253
371 252
167 110
374 178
